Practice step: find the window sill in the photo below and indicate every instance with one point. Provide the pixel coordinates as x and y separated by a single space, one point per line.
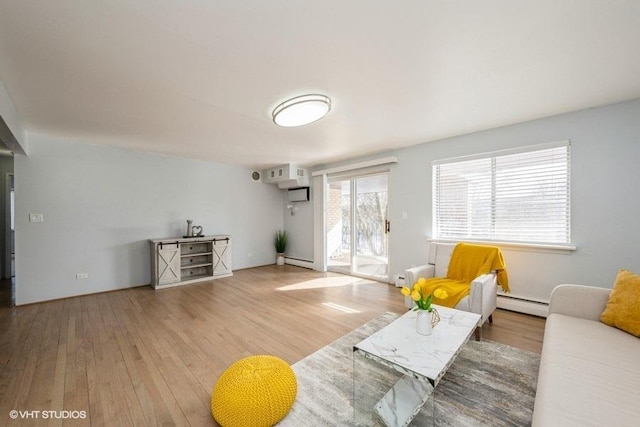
527 247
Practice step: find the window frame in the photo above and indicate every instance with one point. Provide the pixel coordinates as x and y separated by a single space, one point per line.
497 241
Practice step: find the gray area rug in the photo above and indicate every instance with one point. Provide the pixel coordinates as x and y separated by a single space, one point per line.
489 384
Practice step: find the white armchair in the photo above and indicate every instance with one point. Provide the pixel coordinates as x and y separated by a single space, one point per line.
484 289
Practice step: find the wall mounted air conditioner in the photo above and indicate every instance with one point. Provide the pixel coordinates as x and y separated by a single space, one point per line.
286 176
298 194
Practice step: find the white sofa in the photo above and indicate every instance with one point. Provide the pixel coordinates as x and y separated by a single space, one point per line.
484 289
589 372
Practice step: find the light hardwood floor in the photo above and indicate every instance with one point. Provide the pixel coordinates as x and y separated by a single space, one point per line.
145 357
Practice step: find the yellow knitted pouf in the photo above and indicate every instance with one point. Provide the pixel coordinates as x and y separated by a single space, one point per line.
255 391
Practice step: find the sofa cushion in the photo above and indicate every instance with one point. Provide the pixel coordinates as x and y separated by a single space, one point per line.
589 375
623 308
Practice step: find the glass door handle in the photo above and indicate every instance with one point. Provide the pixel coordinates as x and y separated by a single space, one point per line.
387 226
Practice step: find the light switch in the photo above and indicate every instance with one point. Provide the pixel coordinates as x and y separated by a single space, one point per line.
36 217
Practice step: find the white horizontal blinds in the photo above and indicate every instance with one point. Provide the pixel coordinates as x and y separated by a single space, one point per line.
462 199
519 196
532 196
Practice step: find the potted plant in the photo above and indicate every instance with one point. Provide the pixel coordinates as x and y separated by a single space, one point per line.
280 243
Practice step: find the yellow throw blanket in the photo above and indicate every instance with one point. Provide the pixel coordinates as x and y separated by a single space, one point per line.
467 262
456 290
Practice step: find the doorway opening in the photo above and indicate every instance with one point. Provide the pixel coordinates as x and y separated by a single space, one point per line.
7 235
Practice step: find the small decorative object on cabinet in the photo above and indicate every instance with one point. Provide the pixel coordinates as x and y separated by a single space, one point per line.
179 261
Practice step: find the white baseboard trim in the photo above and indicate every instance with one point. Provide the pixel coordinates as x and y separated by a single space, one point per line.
523 306
299 263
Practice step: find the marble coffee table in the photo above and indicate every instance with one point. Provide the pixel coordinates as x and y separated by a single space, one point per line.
421 362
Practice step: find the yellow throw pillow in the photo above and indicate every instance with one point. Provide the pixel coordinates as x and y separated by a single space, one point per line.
623 308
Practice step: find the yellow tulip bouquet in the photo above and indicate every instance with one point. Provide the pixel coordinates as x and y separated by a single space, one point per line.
417 294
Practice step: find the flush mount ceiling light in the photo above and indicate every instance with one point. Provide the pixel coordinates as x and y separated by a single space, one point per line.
301 110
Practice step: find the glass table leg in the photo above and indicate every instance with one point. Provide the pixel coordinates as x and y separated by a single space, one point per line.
384 396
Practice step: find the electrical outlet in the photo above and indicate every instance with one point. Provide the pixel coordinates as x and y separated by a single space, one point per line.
82 276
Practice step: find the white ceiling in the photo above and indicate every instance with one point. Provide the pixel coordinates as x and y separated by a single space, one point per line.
199 79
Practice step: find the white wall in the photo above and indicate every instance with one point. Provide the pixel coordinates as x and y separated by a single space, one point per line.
101 205
299 228
605 189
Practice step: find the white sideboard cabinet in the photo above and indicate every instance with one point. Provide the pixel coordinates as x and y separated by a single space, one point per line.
180 260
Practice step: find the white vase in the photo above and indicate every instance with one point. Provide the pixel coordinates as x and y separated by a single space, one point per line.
280 259
423 322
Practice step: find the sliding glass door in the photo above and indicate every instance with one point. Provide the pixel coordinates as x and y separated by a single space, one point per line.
357 226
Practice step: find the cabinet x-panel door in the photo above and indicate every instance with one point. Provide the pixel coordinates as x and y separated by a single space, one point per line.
168 264
221 259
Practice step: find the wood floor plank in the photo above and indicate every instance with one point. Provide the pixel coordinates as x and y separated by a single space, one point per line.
145 357
154 392
76 396
31 356
121 382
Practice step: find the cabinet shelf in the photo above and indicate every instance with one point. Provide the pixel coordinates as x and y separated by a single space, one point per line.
195 254
198 277
206 264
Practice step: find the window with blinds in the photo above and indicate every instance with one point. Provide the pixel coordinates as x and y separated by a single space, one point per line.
520 196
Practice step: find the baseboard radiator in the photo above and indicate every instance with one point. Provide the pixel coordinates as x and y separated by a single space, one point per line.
523 305
299 262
